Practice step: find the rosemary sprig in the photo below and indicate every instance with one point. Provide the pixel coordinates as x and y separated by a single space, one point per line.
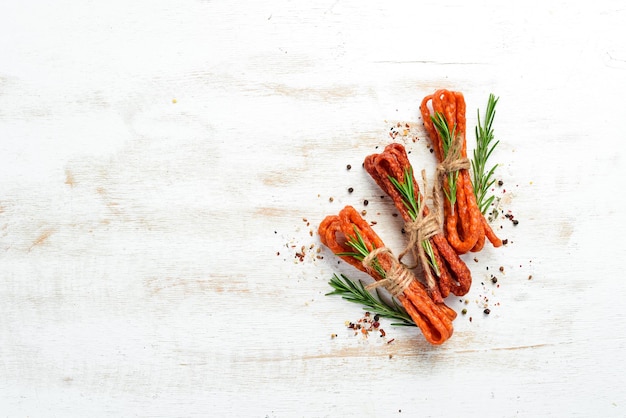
483 179
413 205
355 292
447 137
361 251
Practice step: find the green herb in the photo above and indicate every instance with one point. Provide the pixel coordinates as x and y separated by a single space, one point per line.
482 178
361 252
355 292
447 138
413 205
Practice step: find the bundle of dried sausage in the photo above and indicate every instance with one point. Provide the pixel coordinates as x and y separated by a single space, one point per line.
350 237
444 272
465 225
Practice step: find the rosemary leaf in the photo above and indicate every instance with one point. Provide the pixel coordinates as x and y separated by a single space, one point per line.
482 178
355 292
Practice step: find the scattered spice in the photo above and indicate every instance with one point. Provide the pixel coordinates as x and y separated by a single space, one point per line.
464 311
366 325
330 199
487 311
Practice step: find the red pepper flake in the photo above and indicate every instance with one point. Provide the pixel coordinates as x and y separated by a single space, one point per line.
391 340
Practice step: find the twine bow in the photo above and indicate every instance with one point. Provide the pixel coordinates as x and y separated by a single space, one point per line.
397 278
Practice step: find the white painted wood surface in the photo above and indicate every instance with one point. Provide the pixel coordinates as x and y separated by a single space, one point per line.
157 160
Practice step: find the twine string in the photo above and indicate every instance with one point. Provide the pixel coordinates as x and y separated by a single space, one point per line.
397 279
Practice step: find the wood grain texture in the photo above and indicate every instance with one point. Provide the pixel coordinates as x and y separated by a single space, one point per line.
162 163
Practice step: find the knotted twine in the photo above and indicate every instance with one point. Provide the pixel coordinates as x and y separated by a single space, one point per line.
397 278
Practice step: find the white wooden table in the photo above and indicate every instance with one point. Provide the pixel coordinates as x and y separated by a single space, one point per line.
161 164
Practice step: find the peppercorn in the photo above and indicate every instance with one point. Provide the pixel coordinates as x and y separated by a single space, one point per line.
494 279
500 182
376 317
365 202
348 167
515 221
464 311
487 311
350 190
